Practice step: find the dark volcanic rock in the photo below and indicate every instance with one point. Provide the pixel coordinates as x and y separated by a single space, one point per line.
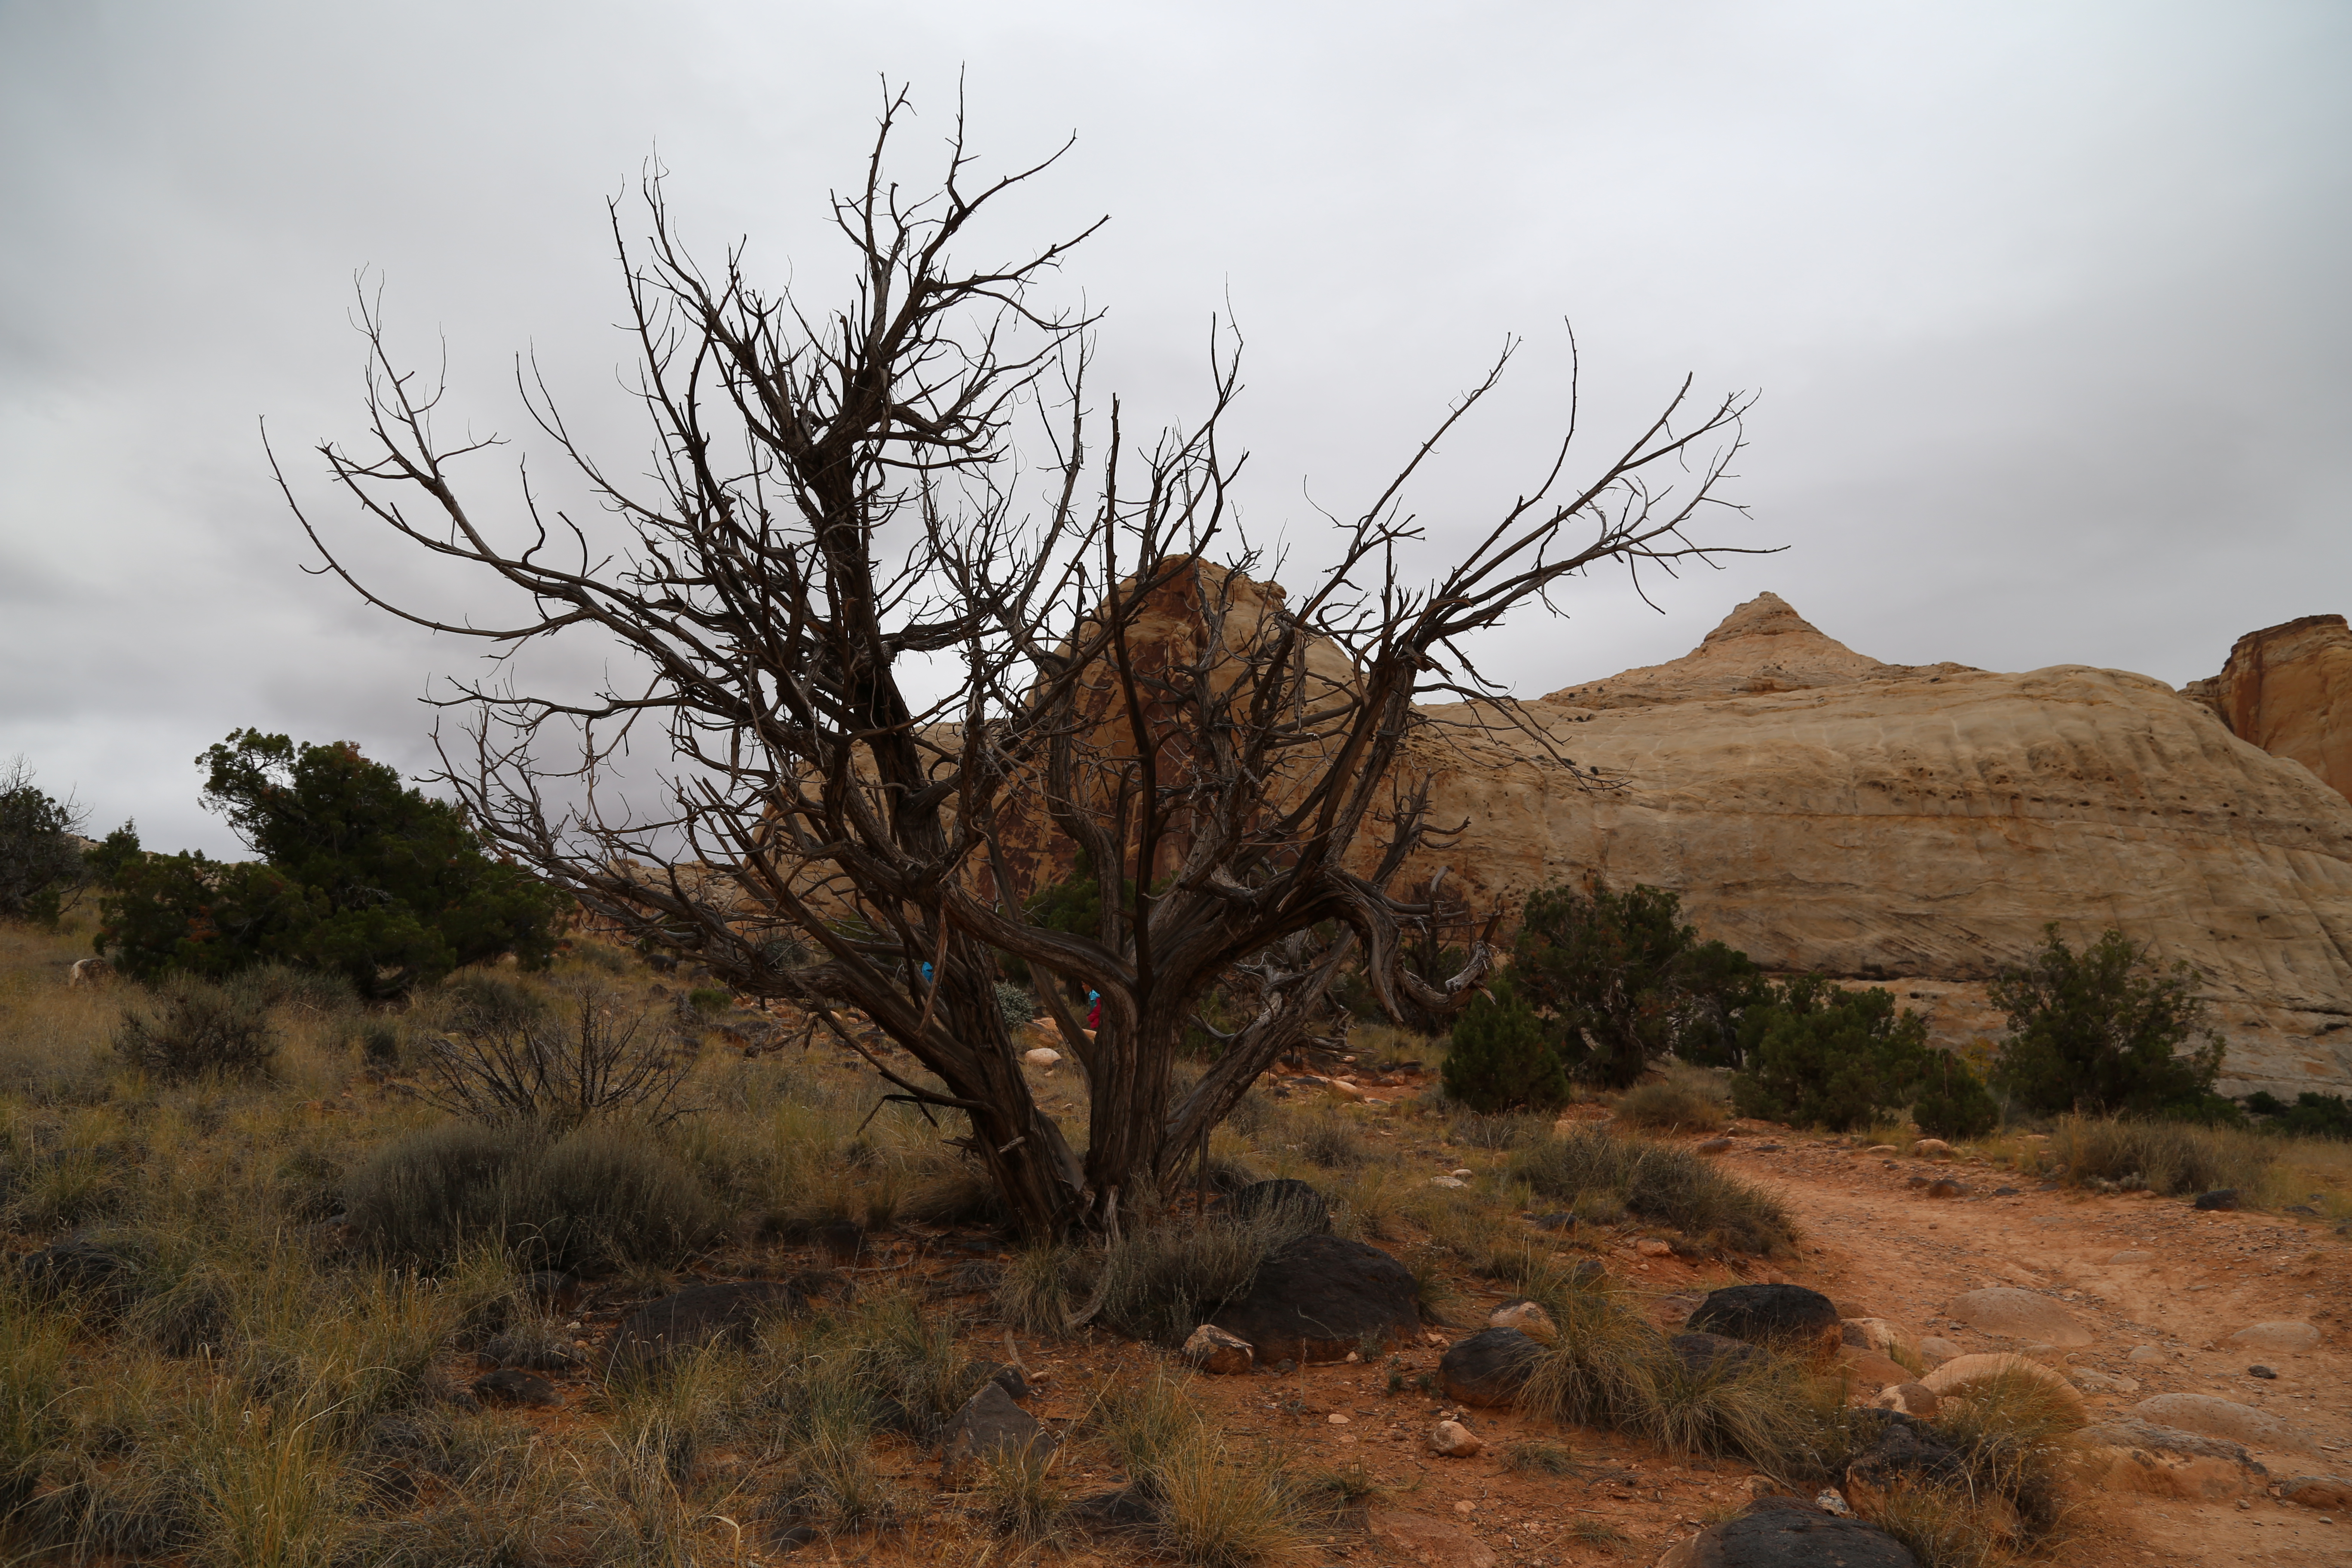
1789 1532
1787 1315
2223 1198
1318 1297
1284 1194
989 1425
1906 1450
1489 1367
701 1313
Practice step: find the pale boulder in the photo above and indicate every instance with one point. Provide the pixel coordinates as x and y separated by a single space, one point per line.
2216 1417
2287 1337
1935 1347
1215 1351
1931 1148
1454 1441
1041 1056
2019 1315
1952 1378
1871 1334
1527 1318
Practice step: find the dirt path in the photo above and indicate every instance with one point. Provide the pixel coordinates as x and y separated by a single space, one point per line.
2140 1271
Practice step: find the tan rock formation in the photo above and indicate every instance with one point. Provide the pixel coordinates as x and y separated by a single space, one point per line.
2288 688
1918 825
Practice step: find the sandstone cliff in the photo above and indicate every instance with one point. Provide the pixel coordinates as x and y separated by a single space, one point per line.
2288 688
1919 825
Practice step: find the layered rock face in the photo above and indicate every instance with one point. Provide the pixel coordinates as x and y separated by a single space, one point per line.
2288 688
1918 825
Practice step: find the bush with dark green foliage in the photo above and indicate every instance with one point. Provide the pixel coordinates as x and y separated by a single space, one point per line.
2104 1031
1502 1057
2312 1115
40 864
1953 1102
1623 982
197 1029
1821 1056
359 874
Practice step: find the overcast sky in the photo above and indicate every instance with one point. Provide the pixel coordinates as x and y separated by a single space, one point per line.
2046 302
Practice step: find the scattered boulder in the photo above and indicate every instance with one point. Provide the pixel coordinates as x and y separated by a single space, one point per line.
1906 1452
2222 1200
1214 1351
1714 1146
2215 1417
1317 1297
1870 1367
1701 1354
1452 1440
1931 1148
1909 1399
1935 1347
1041 1056
2317 1491
700 1314
988 1426
513 1385
1527 1318
1946 1188
1769 1314
1489 1367
1952 1378
1788 1532
2288 1336
2141 1457
1870 1334
1283 1195
2019 1315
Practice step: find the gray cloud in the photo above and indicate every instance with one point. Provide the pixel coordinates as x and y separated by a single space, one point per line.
2045 302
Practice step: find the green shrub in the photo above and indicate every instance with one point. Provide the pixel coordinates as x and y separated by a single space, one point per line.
1825 1056
2104 1031
198 1029
1623 982
2311 1116
40 863
1954 1102
710 999
359 876
1500 1059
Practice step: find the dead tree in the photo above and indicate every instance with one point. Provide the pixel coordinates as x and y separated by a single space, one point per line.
836 514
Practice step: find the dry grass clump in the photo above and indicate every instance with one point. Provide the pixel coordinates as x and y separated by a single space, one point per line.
1539 1457
1329 1139
1021 1494
1681 1099
1506 1130
1213 1506
2171 1157
1657 1182
194 1029
1040 1290
1160 1280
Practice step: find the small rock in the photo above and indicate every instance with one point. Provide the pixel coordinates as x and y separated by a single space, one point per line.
2146 1352
1454 1441
989 1424
1945 1189
1914 1181
1882 1149
1930 1148
2289 1336
1832 1502
1527 1318
2222 1200
1448 1182
2260 1371
1870 1334
2133 1255
2004 1192
1909 1399
1215 1351
2104 1382
1489 1367
1650 1247
1336 1419
1465 1172
512 1385
1042 1057
1714 1146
